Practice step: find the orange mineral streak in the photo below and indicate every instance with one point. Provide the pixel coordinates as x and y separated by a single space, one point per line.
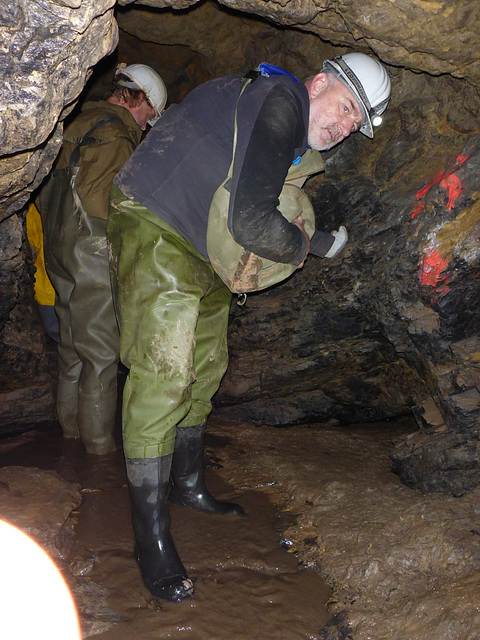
433 265
450 182
454 187
418 209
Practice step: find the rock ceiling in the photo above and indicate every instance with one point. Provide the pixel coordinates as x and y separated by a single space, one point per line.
423 35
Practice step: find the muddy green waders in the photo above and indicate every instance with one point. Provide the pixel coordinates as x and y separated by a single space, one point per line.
173 311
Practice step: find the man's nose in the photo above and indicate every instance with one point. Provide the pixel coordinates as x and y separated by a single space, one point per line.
346 127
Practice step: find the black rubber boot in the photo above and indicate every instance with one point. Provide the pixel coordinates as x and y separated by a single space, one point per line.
188 474
162 570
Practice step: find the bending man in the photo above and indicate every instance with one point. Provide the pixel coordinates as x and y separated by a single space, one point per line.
173 306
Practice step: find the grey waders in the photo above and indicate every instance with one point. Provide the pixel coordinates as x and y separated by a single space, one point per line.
88 352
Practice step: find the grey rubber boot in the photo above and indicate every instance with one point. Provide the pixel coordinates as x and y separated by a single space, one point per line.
188 474
96 422
162 570
67 407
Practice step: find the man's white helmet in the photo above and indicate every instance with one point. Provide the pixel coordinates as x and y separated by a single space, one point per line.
145 78
368 81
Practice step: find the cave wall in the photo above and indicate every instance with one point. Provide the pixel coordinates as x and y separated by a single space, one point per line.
46 52
48 49
434 37
388 327
26 393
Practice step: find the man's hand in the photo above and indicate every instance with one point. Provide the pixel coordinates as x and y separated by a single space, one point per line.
298 222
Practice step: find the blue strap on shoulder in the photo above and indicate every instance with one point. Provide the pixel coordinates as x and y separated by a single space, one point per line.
271 70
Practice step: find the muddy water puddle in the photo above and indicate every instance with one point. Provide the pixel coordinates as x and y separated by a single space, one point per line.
247 586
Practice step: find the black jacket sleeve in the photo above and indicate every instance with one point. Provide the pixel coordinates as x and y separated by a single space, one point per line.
260 169
321 243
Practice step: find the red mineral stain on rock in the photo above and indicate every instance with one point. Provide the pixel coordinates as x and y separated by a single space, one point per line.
433 265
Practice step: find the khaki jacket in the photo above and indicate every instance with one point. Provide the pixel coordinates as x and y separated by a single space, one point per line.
108 148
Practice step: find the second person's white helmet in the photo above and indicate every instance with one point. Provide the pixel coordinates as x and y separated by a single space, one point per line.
368 81
147 80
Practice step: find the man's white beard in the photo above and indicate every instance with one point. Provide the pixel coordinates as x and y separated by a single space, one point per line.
317 147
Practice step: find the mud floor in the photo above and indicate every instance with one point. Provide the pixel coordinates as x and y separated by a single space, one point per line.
404 566
401 565
247 583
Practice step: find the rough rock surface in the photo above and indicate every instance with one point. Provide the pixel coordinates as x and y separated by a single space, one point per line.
40 503
219 37
47 49
26 396
389 324
396 31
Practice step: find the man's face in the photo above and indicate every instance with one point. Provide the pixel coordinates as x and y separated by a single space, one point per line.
334 112
143 113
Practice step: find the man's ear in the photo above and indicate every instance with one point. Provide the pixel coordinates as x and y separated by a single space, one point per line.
317 84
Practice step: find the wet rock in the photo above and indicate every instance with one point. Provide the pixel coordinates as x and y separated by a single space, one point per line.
438 461
40 503
26 395
209 30
396 34
338 628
